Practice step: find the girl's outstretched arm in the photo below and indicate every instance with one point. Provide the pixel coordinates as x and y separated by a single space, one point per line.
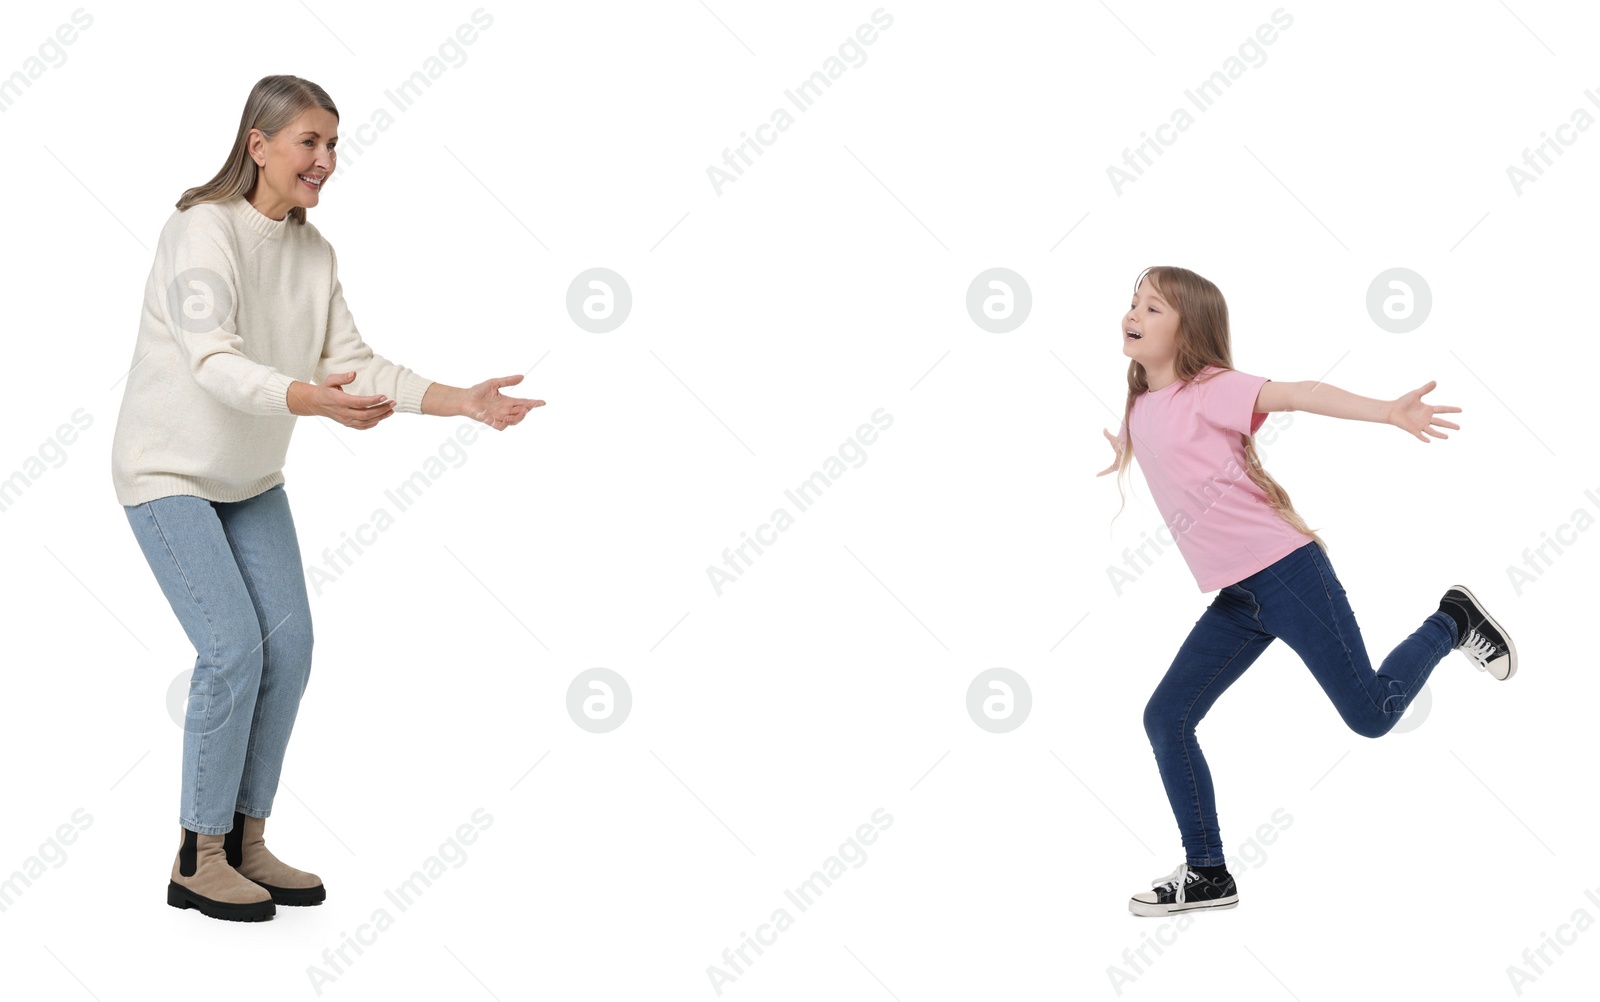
1407 413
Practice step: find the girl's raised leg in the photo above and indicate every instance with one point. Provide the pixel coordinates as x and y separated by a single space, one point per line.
1303 602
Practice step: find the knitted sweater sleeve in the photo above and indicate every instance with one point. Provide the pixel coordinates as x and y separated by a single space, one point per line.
202 301
344 351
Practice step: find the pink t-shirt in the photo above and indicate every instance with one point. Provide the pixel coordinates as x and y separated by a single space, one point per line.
1186 439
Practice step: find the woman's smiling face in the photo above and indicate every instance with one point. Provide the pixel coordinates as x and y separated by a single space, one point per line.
302 149
1150 329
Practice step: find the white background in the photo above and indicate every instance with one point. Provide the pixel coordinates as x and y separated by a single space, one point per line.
830 680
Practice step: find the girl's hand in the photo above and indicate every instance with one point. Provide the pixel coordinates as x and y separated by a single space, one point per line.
1114 448
1409 413
483 402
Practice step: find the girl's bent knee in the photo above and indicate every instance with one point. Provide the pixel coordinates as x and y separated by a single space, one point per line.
1163 729
1373 728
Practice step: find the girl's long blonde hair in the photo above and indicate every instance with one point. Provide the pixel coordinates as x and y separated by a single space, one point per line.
274 102
1202 340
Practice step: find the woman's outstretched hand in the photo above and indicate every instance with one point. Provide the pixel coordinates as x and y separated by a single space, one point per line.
328 399
1410 414
1115 449
483 402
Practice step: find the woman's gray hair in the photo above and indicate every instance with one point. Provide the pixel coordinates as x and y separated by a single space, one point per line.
274 102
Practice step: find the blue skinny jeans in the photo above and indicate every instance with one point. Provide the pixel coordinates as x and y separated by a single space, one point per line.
1298 599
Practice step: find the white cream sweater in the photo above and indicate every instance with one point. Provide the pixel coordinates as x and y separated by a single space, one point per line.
238 305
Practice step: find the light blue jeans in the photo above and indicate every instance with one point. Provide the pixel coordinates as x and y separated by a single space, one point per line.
232 573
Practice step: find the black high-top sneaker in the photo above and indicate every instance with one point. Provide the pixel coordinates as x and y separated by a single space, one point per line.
1483 641
1185 889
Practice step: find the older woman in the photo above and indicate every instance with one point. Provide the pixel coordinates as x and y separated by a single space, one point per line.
244 328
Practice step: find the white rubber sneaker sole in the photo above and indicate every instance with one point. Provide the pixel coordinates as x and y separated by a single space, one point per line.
1145 904
1509 664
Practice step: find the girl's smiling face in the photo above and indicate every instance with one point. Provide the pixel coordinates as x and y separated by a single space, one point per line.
1150 330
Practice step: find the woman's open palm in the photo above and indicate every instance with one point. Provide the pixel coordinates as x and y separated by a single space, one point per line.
483 402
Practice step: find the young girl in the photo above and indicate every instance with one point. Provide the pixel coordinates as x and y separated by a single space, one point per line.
1191 418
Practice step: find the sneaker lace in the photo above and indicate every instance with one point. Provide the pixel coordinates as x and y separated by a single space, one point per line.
1479 648
1177 878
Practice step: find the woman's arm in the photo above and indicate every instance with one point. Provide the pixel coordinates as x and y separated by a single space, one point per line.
482 402
1408 412
441 400
343 350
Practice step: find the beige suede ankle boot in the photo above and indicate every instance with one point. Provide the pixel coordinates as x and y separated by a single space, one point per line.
203 880
247 852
